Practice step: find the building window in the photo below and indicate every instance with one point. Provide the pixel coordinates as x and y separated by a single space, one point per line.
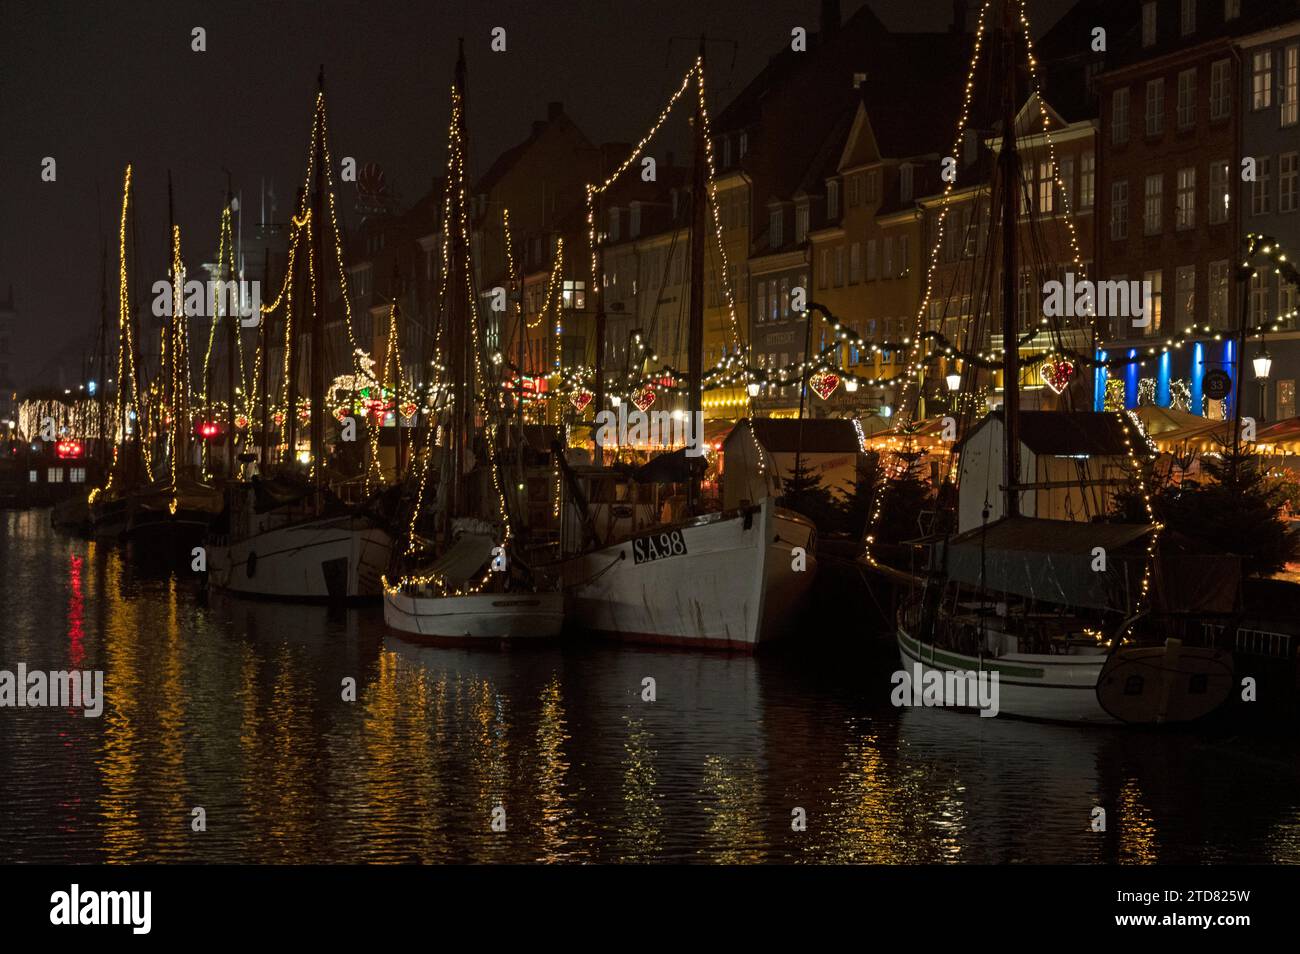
839 266
823 273
1154 281
575 295
1155 114
1185 304
1261 190
1261 80
54 475
887 264
905 183
1185 211
854 196
833 199
1220 195
1119 116
1286 399
77 475
873 185
1259 295
1187 22
1149 23
1153 207
1231 9
785 300
1046 189
1066 176
613 225
904 264
774 229
1220 89
32 476
1186 99
1286 181
1290 85
1285 301
855 263
1119 209
744 145
1087 179
760 301
801 223
1219 294
871 260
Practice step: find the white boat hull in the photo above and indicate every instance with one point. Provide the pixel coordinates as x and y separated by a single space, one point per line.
1030 685
734 585
478 617
329 558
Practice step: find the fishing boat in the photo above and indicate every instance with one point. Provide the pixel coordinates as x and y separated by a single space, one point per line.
646 559
289 532
1082 618
466 574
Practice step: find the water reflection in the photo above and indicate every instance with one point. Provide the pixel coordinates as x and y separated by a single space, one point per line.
307 734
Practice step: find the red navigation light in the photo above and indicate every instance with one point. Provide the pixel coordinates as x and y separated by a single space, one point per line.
208 430
66 449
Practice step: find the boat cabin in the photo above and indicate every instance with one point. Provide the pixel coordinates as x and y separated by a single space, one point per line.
1071 466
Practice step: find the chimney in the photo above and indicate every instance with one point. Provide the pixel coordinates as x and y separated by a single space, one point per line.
554 110
958 16
830 18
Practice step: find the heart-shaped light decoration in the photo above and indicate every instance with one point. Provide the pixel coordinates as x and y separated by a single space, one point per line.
580 400
278 417
643 399
408 409
824 383
241 421
340 413
1056 374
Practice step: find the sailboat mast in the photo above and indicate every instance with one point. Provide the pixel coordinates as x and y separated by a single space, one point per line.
695 333
316 396
457 307
101 362
1010 175
264 332
232 348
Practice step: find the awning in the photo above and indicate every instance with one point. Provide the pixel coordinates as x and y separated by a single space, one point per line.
465 558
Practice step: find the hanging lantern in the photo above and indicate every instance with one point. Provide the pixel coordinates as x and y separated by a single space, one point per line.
643 399
1056 374
824 383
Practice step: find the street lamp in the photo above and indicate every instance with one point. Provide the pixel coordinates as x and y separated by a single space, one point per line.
1263 365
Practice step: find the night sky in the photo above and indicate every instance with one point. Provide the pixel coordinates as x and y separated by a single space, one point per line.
98 85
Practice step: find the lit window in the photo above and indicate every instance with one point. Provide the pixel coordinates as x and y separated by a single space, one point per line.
54 475
1286 182
1290 85
575 295
1119 209
1220 196
77 475
1153 210
1261 190
1261 80
1087 179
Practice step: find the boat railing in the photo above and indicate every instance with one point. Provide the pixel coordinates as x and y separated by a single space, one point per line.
1253 641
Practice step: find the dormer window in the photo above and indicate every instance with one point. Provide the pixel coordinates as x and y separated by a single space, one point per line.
774 230
613 225
744 145
905 183
801 223
833 198
1149 23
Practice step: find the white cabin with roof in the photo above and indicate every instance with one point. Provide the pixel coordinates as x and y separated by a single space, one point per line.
1071 466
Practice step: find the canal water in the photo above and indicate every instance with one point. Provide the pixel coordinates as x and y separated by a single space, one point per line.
237 708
